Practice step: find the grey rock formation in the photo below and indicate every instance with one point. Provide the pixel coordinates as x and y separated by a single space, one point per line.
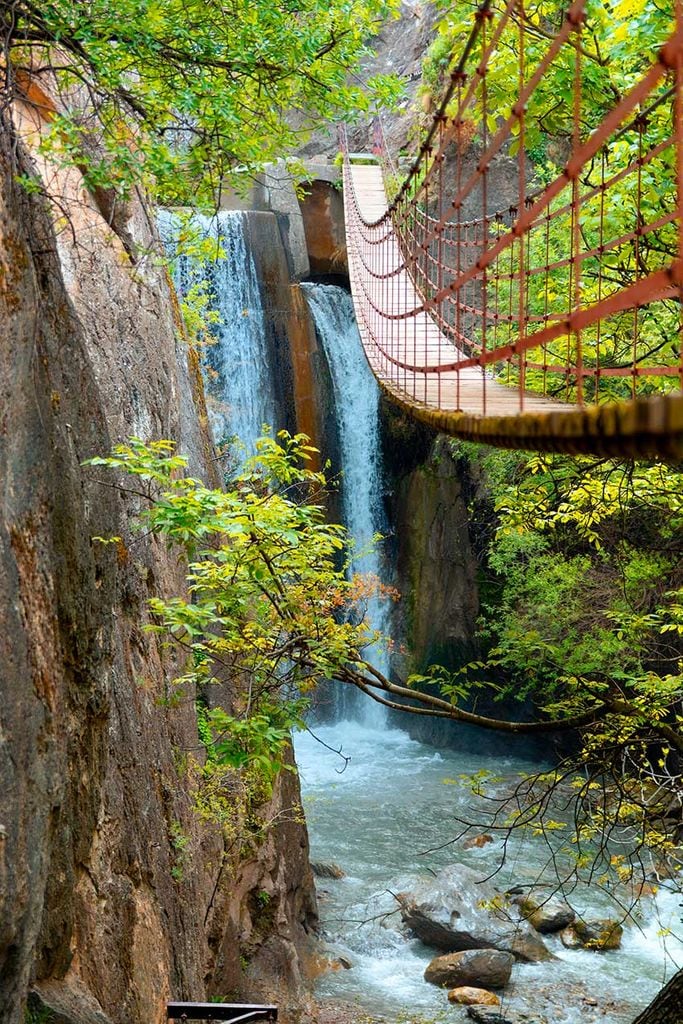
487 1015
450 912
326 869
436 565
601 935
545 915
486 968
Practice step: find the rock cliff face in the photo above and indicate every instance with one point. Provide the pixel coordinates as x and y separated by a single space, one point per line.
113 895
435 564
322 209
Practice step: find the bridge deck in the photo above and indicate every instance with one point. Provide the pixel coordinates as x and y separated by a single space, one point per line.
418 340
469 403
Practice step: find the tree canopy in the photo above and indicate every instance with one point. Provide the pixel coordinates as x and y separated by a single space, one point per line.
582 612
180 95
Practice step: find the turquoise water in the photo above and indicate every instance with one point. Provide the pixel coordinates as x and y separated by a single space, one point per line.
396 799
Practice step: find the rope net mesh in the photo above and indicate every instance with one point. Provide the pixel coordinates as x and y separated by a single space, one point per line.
532 303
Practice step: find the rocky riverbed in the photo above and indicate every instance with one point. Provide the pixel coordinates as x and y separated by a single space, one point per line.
410 893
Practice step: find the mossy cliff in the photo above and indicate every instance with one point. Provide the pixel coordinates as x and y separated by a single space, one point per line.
114 895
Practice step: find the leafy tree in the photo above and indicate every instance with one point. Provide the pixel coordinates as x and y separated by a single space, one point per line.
585 613
181 95
268 596
616 44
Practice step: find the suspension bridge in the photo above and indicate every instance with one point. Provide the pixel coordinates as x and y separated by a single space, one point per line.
525 314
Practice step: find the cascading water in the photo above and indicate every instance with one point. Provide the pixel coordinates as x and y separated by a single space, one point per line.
238 375
356 399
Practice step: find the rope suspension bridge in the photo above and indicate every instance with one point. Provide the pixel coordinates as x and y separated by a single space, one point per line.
526 316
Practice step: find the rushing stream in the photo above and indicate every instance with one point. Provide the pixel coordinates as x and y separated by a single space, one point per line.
397 798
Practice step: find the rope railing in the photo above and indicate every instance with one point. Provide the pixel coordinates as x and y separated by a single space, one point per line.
495 287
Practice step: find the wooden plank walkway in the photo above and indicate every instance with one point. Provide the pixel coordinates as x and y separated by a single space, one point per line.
470 403
418 340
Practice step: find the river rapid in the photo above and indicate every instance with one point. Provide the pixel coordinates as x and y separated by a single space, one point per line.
376 815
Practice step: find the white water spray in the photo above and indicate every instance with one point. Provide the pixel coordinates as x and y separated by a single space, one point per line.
356 400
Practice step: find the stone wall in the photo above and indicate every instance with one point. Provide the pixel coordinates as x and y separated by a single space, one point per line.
436 568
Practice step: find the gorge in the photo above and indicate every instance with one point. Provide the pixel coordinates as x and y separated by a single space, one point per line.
382 806
150 852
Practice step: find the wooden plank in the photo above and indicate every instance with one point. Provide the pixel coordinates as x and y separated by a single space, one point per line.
418 339
221 1011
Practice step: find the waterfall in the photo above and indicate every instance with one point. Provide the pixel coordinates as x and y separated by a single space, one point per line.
237 372
241 387
356 400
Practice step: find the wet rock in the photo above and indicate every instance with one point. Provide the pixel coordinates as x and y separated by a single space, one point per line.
467 995
327 869
570 940
526 946
600 935
488 968
644 890
485 1015
545 915
450 913
476 842
344 962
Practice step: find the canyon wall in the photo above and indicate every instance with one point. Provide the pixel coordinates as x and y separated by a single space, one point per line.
436 569
114 894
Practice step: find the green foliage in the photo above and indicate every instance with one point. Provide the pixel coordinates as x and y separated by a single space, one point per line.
268 598
38 1016
263 898
255 741
185 95
618 40
617 44
585 555
180 842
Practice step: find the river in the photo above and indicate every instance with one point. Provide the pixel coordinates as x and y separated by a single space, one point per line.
397 798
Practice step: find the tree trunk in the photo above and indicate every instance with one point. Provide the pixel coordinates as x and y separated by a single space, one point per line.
667 1006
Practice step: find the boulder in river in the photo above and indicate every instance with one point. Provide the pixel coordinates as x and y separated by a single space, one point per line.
324 869
476 842
485 1015
468 995
488 968
525 944
601 935
455 911
545 915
